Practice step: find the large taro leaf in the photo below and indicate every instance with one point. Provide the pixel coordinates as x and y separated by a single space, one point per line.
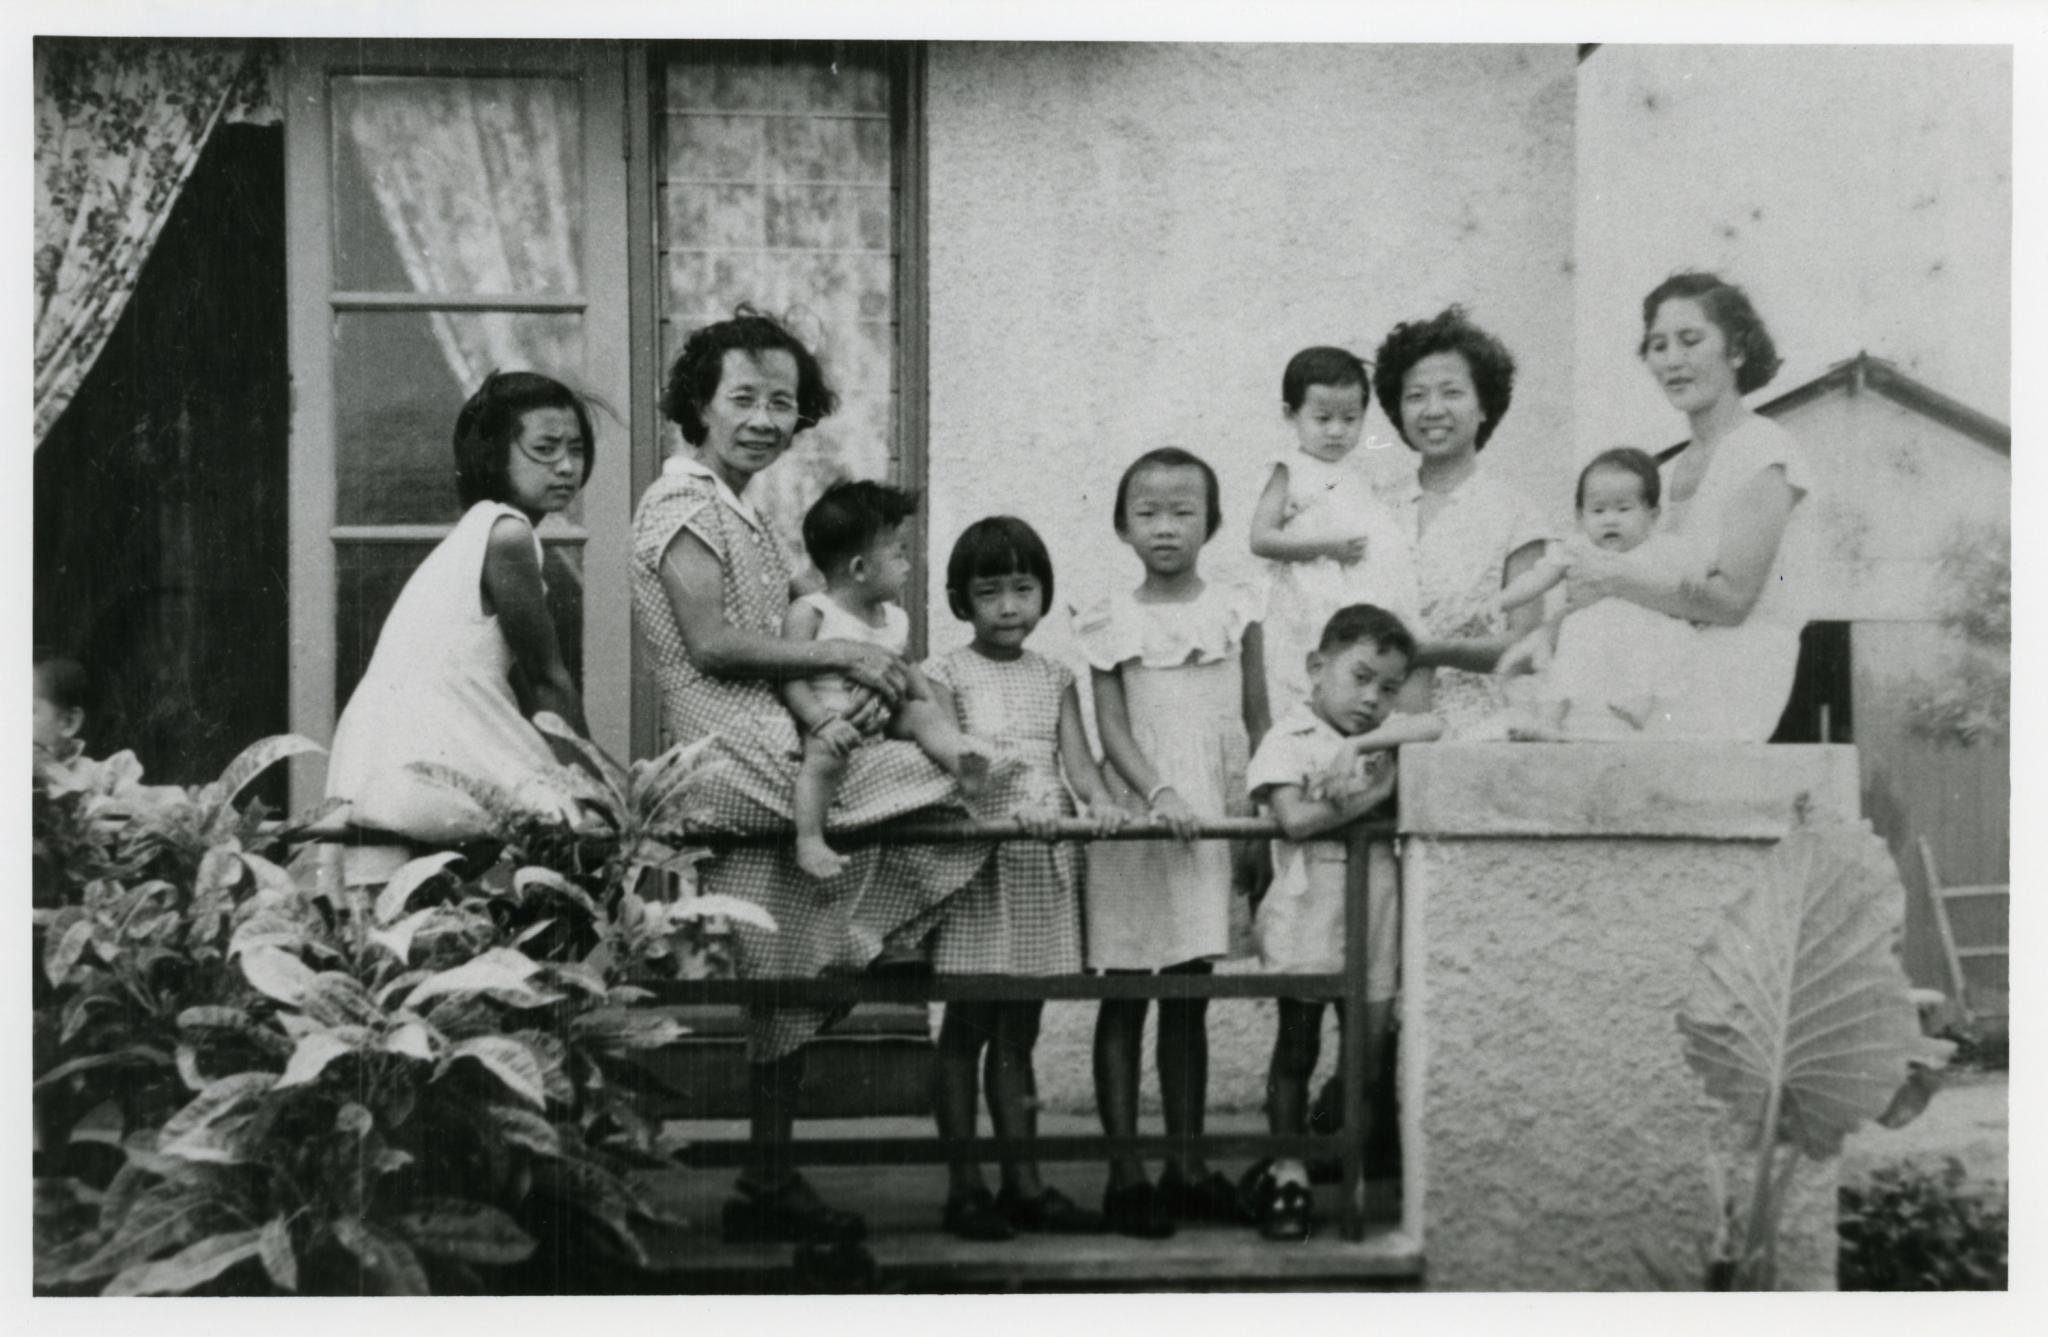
1799 993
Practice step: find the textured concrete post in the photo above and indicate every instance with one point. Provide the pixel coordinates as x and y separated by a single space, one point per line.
1556 899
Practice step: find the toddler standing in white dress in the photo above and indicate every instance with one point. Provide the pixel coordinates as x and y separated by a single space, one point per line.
1329 541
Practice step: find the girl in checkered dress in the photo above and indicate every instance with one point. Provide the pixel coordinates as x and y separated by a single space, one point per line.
1022 914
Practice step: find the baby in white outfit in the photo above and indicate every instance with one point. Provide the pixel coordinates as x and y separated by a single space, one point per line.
1618 668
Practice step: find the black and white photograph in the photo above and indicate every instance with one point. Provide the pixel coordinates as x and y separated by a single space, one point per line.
923 652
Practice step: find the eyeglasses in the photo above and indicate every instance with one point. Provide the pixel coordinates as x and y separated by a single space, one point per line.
553 450
780 408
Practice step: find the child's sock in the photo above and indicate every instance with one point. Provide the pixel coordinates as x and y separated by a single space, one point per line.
1287 1172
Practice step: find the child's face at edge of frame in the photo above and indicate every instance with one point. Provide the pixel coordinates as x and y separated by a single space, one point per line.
537 486
1353 688
1614 515
1005 609
1166 517
54 726
1328 423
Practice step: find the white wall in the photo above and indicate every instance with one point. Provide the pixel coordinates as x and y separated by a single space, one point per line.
1127 243
1863 195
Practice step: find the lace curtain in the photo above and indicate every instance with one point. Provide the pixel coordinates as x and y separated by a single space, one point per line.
479 182
119 125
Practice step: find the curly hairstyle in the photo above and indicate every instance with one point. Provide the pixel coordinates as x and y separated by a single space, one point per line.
694 377
1733 314
1492 366
1000 545
489 423
1172 457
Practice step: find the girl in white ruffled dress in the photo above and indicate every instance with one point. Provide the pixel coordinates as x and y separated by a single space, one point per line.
1180 697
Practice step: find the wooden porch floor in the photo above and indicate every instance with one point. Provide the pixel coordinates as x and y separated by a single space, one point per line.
912 1254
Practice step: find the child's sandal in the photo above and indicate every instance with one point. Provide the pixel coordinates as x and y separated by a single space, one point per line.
1137 1209
973 1216
1051 1212
1285 1210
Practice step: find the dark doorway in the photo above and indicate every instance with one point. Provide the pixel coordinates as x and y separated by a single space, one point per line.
160 525
1819 708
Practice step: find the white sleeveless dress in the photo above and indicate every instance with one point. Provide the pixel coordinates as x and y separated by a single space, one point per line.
438 689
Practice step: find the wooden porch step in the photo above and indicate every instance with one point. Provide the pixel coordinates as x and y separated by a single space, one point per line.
902 1205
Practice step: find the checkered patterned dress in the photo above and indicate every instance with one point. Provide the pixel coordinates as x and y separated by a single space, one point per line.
1022 913
895 893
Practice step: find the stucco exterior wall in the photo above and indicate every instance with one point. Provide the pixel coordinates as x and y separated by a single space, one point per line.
1862 194
1127 243
1557 897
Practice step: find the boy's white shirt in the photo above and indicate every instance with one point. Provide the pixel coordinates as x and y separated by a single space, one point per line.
1307 743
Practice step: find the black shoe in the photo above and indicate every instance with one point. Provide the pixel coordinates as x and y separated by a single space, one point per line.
1284 1210
1137 1209
1051 1212
790 1213
973 1216
1212 1198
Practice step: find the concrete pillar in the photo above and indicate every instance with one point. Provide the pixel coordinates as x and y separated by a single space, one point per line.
1556 898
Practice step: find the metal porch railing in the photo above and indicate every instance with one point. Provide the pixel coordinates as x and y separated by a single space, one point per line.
1348 987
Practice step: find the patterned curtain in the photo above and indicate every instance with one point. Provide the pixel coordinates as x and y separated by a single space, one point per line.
119 125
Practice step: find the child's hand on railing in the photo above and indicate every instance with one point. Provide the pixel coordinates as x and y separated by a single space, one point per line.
1108 816
1170 808
1039 818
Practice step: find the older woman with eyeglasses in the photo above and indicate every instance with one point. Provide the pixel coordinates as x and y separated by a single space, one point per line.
711 583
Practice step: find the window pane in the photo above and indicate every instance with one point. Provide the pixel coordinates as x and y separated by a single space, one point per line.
369 577
457 186
779 193
399 380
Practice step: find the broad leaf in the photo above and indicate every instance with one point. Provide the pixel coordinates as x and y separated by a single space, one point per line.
311 1058
408 879
475 1232
510 1062
397 939
259 757
192 1266
1801 1003
523 1128
278 974
130 1055
600 764
335 999
271 880
731 907
412 1040
61 954
389 1260
499 969
626 1028
526 879
202 1130
275 1249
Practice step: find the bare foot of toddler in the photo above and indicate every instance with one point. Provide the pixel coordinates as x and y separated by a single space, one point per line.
818 859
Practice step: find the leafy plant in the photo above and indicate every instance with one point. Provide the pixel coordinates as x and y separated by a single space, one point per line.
1970 700
1802 1024
1911 1229
323 1088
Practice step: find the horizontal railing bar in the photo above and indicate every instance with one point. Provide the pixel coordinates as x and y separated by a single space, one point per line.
712 1154
967 832
826 990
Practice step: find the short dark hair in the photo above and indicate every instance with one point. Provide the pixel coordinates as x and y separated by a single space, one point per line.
1733 314
694 377
1626 460
1322 365
846 521
61 680
490 422
1171 457
1369 623
1000 545
1492 366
